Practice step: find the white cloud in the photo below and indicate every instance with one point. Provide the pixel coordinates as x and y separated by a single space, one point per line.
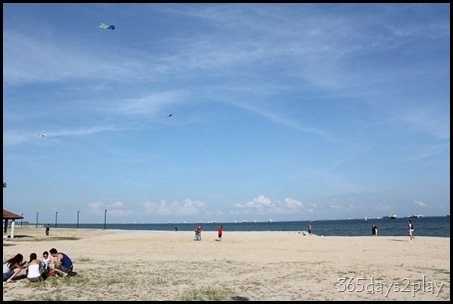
116 209
186 207
263 205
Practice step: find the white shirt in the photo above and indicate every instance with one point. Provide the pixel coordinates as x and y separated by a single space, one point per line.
33 271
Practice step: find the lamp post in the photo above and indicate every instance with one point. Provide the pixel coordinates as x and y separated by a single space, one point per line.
56 217
78 219
105 219
21 220
37 213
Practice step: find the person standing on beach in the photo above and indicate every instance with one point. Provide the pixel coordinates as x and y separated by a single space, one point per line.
410 227
47 229
309 228
219 233
198 233
374 230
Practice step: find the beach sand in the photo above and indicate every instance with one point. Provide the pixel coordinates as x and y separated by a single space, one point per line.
114 265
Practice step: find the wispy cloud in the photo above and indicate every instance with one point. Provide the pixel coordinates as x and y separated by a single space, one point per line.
281 119
16 137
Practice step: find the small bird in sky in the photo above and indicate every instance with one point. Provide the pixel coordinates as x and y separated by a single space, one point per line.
170 115
42 134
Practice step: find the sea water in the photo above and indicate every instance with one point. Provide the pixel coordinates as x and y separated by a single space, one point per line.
438 226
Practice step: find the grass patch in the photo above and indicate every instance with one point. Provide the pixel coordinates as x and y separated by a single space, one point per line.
83 259
208 294
158 281
443 271
56 238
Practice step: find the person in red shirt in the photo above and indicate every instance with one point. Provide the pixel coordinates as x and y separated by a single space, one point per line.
219 233
198 233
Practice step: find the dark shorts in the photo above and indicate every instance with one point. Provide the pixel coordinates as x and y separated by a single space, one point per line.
220 235
64 269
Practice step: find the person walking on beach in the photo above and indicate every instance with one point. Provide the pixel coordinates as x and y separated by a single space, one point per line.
374 230
309 228
12 268
47 229
63 266
219 233
410 227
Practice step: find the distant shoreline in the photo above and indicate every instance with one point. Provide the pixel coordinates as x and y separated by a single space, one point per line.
428 226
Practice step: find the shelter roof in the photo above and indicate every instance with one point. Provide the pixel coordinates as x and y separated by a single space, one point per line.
9 215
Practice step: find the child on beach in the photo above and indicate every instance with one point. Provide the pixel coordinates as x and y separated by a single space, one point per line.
46 261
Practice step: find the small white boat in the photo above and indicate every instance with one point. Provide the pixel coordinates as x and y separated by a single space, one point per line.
416 215
392 216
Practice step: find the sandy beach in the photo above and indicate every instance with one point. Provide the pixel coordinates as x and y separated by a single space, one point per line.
117 265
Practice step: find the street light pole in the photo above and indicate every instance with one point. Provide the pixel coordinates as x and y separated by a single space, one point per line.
78 219
105 219
56 216
37 213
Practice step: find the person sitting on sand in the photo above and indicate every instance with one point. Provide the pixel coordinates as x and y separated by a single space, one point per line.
63 266
12 268
34 270
47 261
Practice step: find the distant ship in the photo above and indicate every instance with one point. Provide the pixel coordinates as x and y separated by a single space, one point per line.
416 215
392 216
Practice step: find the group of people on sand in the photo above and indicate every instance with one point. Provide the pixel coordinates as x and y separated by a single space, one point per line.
200 228
410 228
52 263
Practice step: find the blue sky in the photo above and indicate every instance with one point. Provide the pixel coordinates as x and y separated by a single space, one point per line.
279 111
